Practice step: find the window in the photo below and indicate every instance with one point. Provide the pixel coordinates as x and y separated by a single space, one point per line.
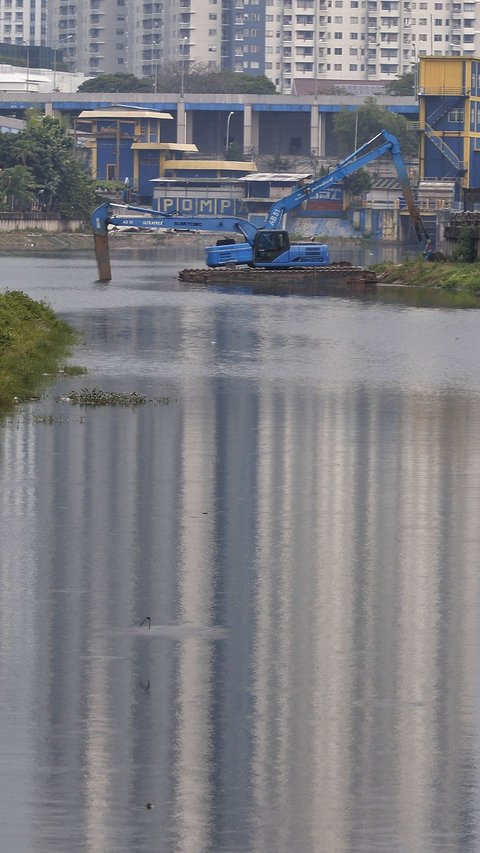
455 116
338 36
338 51
352 67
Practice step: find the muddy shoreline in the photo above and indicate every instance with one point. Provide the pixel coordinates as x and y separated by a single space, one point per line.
41 241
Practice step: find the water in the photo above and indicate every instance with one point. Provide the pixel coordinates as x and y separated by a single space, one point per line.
300 522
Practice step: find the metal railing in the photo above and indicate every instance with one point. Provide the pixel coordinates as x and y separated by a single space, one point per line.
444 90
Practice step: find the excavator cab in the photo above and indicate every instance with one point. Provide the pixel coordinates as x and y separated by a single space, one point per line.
269 245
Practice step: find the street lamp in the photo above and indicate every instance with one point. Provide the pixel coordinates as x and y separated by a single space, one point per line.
55 60
415 72
182 68
155 44
28 63
227 142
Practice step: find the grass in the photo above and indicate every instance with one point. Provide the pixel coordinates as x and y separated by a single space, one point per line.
446 275
33 341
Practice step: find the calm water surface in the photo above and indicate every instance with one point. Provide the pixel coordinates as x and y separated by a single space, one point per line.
300 522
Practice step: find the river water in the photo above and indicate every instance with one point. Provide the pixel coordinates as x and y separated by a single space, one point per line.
296 508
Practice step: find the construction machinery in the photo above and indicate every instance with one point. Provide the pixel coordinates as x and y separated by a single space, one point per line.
267 246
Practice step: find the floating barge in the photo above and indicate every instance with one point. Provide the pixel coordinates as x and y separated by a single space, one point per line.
336 278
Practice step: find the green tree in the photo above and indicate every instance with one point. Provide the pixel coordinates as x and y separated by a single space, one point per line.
370 119
464 251
17 188
358 183
403 85
277 163
116 83
197 77
234 152
45 150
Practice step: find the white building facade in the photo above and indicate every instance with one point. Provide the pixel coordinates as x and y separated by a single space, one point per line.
285 39
363 39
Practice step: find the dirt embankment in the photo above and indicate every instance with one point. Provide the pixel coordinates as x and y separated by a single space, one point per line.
42 241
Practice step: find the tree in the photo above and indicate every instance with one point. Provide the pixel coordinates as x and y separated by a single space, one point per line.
116 83
370 119
197 77
17 188
403 85
358 183
45 150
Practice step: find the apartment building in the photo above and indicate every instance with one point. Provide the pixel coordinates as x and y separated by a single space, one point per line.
145 37
329 39
362 39
23 22
285 39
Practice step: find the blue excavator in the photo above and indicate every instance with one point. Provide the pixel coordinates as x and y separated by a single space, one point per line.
267 246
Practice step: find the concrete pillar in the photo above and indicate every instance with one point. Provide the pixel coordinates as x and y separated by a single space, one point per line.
317 131
181 122
247 127
322 124
188 126
49 108
254 131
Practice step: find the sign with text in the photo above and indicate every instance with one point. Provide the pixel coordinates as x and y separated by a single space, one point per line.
201 206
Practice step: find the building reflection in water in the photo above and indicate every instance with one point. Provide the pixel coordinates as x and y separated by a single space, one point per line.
332 534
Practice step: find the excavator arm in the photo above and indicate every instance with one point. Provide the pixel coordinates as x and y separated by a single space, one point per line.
102 217
355 161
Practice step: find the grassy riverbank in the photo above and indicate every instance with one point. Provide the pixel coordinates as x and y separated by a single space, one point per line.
33 341
446 275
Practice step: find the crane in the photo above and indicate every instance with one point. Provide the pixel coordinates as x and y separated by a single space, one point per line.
269 245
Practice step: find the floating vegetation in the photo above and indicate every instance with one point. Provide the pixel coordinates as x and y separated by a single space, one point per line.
47 419
96 397
73 370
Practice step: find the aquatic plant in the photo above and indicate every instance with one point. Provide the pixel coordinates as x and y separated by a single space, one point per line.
73 370
96 397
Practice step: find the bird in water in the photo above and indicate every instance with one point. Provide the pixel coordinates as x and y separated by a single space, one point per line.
146 621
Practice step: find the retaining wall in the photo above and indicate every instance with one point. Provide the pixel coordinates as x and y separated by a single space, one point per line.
29 221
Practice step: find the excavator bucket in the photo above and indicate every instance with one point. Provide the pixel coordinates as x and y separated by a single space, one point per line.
99 223
102 254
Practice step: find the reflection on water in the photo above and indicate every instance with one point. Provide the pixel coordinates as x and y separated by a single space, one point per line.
301 525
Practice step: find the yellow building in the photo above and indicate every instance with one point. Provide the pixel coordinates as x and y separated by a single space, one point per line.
449 120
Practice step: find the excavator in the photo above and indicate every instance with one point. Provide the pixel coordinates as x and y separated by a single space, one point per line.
267 246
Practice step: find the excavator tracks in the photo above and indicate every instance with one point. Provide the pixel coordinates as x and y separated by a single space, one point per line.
341 275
